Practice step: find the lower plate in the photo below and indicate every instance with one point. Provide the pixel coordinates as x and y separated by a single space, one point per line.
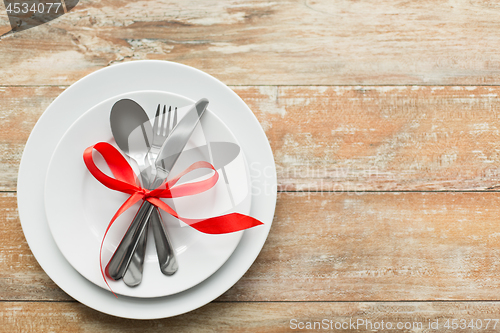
116 80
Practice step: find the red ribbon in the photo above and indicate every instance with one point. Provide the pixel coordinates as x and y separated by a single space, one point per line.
126 181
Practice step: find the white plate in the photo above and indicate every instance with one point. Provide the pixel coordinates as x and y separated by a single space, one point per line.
120 79
78 218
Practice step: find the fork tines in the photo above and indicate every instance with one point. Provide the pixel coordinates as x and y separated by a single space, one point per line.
167 124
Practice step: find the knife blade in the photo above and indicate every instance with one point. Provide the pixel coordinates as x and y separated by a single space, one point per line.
168 155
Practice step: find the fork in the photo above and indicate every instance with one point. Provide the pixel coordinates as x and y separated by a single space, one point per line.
160 134
162 127
166 254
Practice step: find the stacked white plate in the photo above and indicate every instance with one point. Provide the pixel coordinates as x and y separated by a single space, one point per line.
64 210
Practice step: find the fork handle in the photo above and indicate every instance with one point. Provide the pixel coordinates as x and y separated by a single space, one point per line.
164 249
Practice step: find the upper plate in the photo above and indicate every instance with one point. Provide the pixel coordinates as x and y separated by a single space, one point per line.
78 217
112 81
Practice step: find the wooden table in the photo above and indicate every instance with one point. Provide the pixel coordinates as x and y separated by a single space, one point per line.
384 120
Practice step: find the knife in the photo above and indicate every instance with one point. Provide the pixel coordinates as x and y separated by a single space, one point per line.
168 155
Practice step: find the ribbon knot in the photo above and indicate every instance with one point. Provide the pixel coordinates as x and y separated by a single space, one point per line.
126 181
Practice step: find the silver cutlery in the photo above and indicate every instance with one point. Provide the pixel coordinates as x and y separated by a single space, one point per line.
162 126
167 156
133 133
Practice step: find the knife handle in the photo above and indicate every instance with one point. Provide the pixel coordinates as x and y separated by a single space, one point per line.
164 249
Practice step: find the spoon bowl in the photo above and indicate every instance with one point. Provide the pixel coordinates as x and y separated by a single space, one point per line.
131 129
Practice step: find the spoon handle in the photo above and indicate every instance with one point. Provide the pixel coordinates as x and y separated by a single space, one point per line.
133 275
122 257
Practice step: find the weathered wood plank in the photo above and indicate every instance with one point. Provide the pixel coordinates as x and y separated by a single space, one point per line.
336 247
286 42
378 246
261 317
381 138
338 138
21 277
20 108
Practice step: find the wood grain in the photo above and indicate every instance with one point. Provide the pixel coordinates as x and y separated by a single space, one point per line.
383 118
257 42
20 108
336 247
21 276
258 317
338 138
381 138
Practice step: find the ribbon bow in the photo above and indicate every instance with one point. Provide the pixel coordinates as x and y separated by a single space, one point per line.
126 181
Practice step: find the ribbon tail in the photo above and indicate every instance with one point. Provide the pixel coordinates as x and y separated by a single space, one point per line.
223 224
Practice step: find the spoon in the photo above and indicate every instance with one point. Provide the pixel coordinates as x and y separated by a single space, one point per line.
132 132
